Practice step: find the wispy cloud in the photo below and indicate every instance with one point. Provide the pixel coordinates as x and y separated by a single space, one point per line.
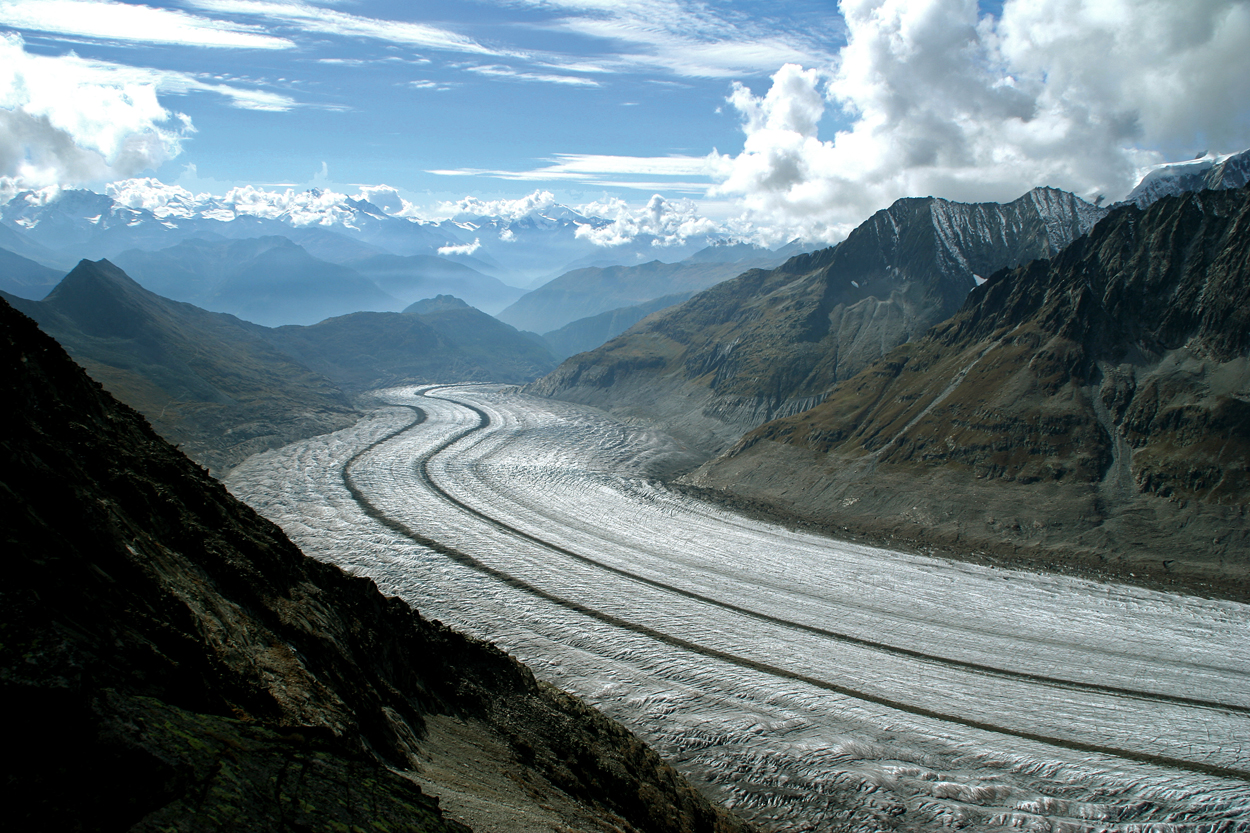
331 22
427 84
101 20
499 71
602 171
692 39
942 100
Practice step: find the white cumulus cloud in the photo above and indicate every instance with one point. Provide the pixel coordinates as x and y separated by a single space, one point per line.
668 222
933 98
464 249
69 121
161 199
505 209
384 197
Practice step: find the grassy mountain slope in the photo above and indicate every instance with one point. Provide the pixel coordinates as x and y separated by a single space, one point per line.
204 379
178 664
1089 410
377 349
768 344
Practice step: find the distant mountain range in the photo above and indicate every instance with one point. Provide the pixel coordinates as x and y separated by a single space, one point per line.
273 281
1091 410
586 334
519 247
592 290
367 350
223 388
770 343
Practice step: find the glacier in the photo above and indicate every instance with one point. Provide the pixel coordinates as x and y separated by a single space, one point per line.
806 682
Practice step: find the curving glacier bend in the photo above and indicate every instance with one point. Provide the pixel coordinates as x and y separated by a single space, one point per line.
811 684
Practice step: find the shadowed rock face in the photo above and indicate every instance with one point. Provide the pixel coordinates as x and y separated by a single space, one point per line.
1096 405
179 664
768 344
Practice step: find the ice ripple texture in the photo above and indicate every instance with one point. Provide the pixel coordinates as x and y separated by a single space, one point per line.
810 684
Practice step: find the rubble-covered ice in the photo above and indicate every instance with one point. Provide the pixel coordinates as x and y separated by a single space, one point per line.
805 681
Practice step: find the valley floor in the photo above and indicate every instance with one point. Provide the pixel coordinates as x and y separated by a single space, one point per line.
806 682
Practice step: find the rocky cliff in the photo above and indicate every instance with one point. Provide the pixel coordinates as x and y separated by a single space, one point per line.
771 343
1091 411
176 663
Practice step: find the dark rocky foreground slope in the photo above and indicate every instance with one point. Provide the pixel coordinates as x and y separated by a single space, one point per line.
771 343
175 663
1090 411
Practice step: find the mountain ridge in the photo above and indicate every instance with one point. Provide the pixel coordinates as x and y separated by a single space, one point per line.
771 343
1088 409
223 388
203 378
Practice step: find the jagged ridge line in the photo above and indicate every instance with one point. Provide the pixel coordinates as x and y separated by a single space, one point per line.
464 559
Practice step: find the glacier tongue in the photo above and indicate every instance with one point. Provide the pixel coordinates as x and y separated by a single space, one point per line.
808 683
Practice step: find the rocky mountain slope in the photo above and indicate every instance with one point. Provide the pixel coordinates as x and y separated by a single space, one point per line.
177 663
205 380
1090 411
771 343
1207 172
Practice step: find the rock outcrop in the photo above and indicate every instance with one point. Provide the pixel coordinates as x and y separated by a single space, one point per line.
1089 411
176 663
772 343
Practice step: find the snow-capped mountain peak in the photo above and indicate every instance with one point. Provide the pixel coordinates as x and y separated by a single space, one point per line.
1216 171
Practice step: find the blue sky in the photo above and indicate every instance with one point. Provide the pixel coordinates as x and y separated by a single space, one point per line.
785 116
506 87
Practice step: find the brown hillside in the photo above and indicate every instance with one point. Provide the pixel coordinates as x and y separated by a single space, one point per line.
1090 410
